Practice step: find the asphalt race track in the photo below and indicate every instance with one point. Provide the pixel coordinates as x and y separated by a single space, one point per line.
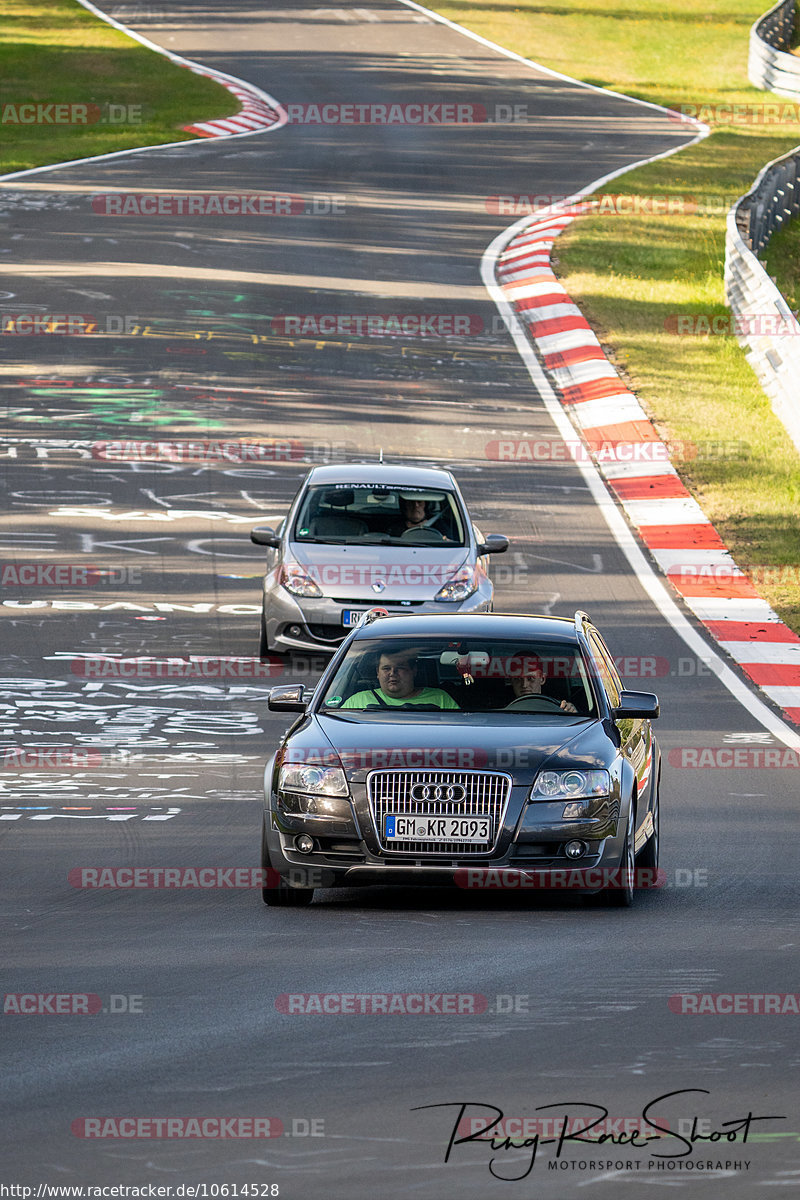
154 770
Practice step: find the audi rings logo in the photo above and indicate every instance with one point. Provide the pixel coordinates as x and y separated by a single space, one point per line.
438 791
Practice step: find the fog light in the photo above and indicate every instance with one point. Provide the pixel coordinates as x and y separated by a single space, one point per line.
294 631
575 849
304 843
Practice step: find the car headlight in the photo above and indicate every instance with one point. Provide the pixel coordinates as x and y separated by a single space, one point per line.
301 804
316 781
573 784
296 581
460 586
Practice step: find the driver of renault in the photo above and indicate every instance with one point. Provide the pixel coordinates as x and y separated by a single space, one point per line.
527 675
397 685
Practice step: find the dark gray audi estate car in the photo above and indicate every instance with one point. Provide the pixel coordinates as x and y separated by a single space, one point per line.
483 750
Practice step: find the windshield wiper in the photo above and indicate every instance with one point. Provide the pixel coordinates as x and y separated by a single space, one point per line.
321 541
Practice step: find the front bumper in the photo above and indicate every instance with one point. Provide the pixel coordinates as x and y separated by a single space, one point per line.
529 849
296 623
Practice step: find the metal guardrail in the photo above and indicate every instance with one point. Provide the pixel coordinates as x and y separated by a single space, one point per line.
769 67
763 322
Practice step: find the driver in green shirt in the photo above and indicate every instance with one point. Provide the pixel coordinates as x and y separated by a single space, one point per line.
397 685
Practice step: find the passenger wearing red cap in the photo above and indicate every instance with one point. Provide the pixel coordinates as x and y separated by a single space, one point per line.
527 675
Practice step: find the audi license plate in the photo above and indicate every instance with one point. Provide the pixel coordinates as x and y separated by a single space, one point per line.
351 616
437 829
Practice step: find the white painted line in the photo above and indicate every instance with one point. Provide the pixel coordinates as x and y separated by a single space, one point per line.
752 608
571 339
637 470
545 287
538 267
678 510
735 610
553 312
553 225
584 372
608 410
785 697
589 87
641 568
521 251
784 653
711 557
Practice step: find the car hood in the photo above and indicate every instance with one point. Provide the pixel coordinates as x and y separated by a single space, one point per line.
473 741
379 572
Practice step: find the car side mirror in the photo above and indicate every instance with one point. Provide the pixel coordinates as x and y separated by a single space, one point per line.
265 535
289 698
636 704
496 543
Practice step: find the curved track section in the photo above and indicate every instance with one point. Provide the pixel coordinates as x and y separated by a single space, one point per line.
617 433
186 329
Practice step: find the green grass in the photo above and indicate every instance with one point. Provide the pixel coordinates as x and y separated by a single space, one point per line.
54 51
631 275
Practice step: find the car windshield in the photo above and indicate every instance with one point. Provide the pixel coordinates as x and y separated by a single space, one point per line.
541 677
379 515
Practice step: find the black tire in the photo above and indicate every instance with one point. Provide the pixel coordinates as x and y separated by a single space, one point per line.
281 895
621 895
648 858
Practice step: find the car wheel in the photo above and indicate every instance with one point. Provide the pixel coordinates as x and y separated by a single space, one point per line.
648 859
280 895
284 896
621 896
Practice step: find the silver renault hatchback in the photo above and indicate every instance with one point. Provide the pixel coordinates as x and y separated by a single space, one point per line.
361 536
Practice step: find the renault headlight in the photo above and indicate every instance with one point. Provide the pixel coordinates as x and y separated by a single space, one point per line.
460 586
298 582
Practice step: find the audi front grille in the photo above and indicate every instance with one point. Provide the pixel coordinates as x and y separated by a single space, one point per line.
438 794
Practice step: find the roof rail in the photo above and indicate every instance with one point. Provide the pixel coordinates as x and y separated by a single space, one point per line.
581 618
372 614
